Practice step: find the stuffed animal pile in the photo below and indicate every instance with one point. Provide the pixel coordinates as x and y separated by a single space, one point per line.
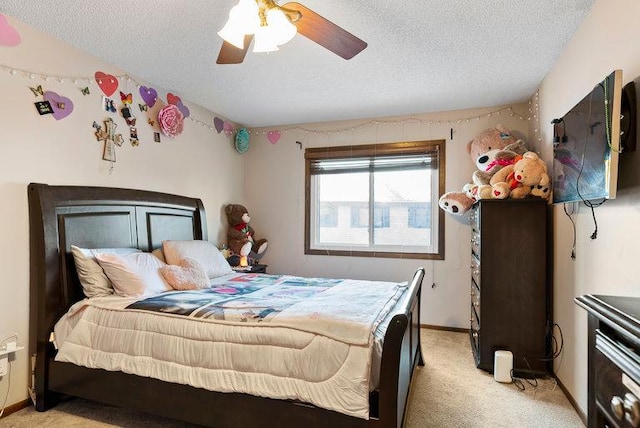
240 235
505 169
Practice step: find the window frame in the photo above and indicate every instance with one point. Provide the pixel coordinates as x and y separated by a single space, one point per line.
389 149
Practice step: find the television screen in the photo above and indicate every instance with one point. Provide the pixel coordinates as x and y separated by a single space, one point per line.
586 145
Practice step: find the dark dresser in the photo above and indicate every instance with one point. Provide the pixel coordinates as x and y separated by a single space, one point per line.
510 293
614 360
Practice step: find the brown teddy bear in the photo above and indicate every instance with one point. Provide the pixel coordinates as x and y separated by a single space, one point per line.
240 235
491 150
528 176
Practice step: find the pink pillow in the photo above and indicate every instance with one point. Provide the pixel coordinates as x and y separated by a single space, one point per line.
133 275
187 275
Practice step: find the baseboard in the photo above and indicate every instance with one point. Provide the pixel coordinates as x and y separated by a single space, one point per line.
15 407
444 328
573 402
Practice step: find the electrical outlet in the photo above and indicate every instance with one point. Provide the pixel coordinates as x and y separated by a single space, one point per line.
4 362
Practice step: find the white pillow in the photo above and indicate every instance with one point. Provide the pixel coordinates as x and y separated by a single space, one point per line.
133 275
204 252
189 275
92 278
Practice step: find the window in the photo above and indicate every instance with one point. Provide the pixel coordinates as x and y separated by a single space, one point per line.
328 215
381 215
359 215
419 216
375 200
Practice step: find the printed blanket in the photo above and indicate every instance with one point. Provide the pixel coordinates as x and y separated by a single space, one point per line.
345 310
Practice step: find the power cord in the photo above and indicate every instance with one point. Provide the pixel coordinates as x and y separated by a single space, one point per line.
3 342
518 382
6 395
573 224
556 352
590 204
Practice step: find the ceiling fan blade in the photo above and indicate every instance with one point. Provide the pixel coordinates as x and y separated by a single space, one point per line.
326 33
229 54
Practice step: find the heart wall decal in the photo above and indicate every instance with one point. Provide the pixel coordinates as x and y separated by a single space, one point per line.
61 106
228 128
173 99
273 136
149 95
108 83
218 123
176 101
9 36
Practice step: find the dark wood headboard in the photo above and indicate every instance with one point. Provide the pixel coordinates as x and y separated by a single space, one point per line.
92 217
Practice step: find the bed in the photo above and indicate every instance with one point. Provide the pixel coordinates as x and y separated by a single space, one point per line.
97 217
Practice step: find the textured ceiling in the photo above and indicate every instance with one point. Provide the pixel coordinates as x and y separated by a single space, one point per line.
423 55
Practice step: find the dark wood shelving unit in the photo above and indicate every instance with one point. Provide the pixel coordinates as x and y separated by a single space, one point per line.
510 291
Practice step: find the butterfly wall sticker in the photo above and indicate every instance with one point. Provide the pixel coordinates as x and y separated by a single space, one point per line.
37 90
85 90
126 98
143 107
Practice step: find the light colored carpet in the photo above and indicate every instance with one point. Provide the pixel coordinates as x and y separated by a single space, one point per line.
448 392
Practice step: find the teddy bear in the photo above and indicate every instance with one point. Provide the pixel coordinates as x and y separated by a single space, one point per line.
240 235
526 176
532 171
491 150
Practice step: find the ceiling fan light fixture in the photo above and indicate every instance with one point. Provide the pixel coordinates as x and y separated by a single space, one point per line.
229 33
268 25
243 19
281 30
263 41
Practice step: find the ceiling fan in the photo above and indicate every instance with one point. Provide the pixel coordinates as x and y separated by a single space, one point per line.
249 18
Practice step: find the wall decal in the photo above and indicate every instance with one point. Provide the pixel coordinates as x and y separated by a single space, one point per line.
127 99
108 83
133 137
149 95
218 124
43 107
37 90
273 136
176 101
9 36
228 128
171 120
110 138
61 106
107 104
242 140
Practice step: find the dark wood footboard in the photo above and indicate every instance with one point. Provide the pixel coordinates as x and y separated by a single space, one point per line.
64 215
401 353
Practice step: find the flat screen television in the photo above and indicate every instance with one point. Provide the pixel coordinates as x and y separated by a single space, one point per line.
587 144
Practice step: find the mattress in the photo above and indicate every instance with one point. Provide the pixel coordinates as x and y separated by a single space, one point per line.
313 340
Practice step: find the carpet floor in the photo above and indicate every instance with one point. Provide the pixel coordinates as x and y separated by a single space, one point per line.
447 392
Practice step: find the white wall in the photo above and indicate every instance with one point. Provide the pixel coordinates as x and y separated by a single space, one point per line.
275 197
607 40
199 163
